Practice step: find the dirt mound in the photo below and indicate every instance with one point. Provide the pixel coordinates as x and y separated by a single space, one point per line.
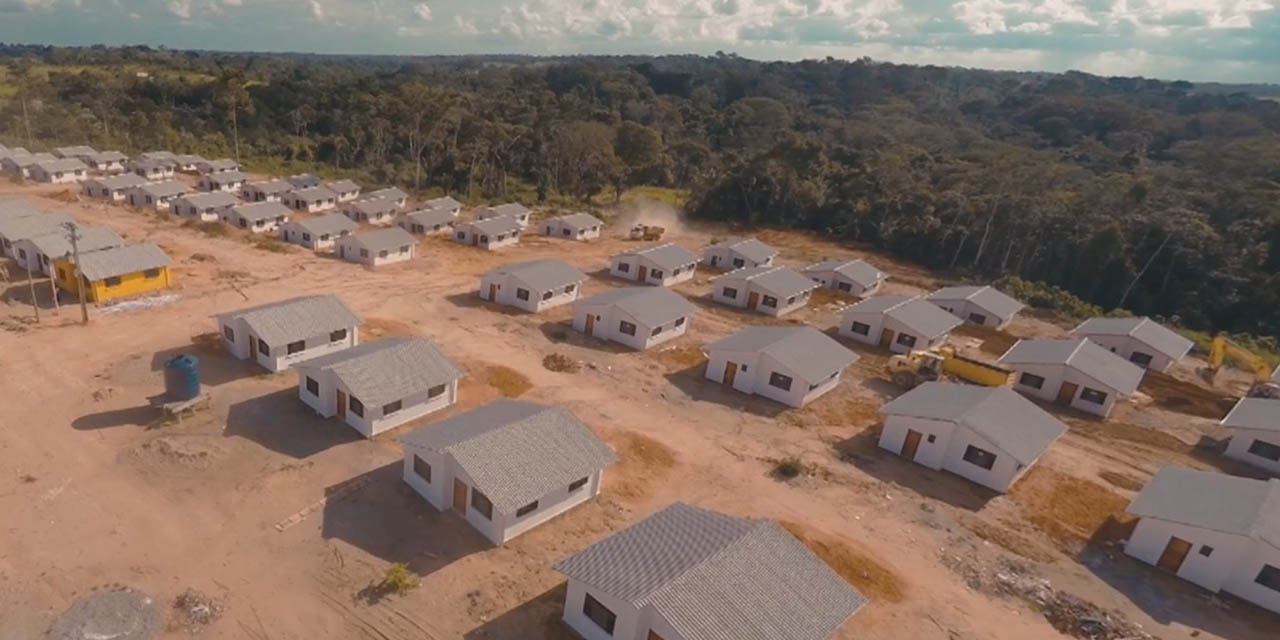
1185 397
196 609
1068 509
641 459
994 341
858 568
509 382
560 363
120 614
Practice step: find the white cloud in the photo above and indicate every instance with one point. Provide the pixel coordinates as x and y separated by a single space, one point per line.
317 9
422 11
180 8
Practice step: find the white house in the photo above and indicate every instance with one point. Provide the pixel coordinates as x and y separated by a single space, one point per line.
773 291
380 385
985 306
855 277
185 162
1218 531
154 170
989 435
268 191
638 317
114 188
311 199
662 265
157 155
257 217
229 181
216 166
106 162
1255 433
23 224
791 365
575 226
377 248
281 334
428 221
494 233
395 194
206 207
347 190
506 467
513 209
1077 373
305 181
686 573
379 211
737 253
445 202
20 166
59 171
897 323
317 233
79 152
532 286
38 253
156 195
1141 341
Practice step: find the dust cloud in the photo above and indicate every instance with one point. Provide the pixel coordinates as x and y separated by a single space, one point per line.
649 212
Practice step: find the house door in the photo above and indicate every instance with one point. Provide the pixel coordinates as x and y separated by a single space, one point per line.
591 324
475 239
653 635
459 496
730 372
1067 392
715 260
753 299
644 273
886 337
341 399
493 292
1174 553
911 444
253 348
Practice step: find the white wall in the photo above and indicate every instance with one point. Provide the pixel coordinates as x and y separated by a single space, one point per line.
1242 439
726 259
1054 376
349 249
555 229
1150 537
279 358
467 236
755 378
946 452
60 177
745 288
627 627
878 323
1242 581
372 423
962 308
633 271
609 319
507 293
1124 346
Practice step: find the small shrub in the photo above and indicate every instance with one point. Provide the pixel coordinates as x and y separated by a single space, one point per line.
268 243
1042 295
399 580
212 229
789 467
560 363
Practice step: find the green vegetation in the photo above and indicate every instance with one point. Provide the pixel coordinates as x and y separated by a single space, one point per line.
1039 295
789 467
1264 347
399 580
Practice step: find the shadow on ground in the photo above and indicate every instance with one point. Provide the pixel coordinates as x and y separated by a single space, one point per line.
562 332
863 451
471 300
140 416
540 617
280 422
217 367
693 382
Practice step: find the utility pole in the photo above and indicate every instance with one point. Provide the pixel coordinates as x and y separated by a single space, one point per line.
35 304
73 234
25 120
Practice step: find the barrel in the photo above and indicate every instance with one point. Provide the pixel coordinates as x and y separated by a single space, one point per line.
182 378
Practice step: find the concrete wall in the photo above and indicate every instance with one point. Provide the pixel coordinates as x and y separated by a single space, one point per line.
295 235
508 293
59 177
138 199
469 237
373 422
755 370
206 183
185 210
1150 537
837 282
744 289
962 308
726 259
946 452
258 226
633 271
1125 347
554 229
413 227
609 318
311 207
878 322
1054 376
348 249
1242 581
1242 439
279 359
627 627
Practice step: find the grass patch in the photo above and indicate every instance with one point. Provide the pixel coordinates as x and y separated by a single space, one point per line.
268 243
789 467
678 358
666 195
1265 347
857 567
641 460
386 328
213 229
1125 481
1068 509
509 382
1132 433
1005 537
560 363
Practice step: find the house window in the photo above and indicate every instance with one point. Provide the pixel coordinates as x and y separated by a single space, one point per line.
844 286
264 348
565 232
655 275
462 235
679 322
527 509
739 263
656 331
598 613
229 333
484 239
577 484
860 328
1206 550
977 318
391 407
1141 359
296 347
113 281
1093 395
382 254
356 406
364 253
522 294
979 457
1266 450
435 391
1031 380
481 504
547 295
931 439
780 381
624 267
340 334
769 301
313 387
627 328
1269 577
571 288
906 340
729 292
306 237
404 249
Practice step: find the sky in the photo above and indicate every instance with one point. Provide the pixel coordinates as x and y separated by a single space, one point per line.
1204 40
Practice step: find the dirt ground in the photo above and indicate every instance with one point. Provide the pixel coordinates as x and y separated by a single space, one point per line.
285 520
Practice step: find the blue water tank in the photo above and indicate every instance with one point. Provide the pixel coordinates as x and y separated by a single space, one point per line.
182 378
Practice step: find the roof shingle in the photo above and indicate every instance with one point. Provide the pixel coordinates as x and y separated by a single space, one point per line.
389 369
1081 354
1144 330
285 321
1215 501
541 275
651 306
807 352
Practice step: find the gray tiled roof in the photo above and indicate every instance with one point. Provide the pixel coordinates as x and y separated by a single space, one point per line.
305 180
779 281
1262 414
271 186
923 318
122 181
807 352
859 271
119 261
1144 330
389 369
16 208
156 155
444 202
63 164
29 226
77 150
1081 354
285 321
186 158
507 209
495 226
343 186
34 159
226 177
651 306
749 248
578 221
333 224
164 189
431 217
373 207
1002 416
1215 501
987 297
667 256
716 577
261 211
109 156
57 245
516 452
542 275
212 199
223 164
389 238
315 194
395 193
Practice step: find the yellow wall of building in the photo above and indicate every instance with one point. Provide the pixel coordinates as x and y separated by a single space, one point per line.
130 285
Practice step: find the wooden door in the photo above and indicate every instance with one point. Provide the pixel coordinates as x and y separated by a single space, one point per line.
342 403
715 260
753 299
653 635
886 337
730 372
644 273
253 348
911 444
493 292
591 324
1067 392
1174 553
459 496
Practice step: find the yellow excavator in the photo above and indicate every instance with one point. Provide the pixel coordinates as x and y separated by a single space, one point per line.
912 369
1221 348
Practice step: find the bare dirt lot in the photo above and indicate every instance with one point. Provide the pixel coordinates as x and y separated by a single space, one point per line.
281 522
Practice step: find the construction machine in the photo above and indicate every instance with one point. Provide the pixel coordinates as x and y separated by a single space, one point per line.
1221 348
912 369
647 233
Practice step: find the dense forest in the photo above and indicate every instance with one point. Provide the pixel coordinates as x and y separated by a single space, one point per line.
1159 197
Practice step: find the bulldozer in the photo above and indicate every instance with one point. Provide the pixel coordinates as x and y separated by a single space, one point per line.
648 233
913 369
1221 348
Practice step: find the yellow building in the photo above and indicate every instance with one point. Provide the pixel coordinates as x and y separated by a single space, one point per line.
115 273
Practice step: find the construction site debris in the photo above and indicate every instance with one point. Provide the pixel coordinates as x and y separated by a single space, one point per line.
119 613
